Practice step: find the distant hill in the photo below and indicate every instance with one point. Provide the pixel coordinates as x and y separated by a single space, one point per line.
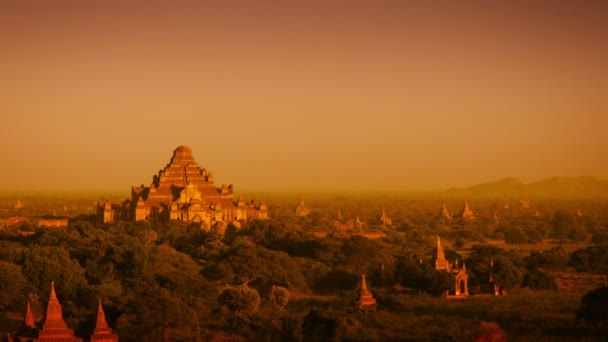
555 187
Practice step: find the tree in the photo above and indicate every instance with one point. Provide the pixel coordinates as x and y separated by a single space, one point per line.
591 259
515 236
440 282
539 280
11 283
42 265
240 299
278 297
594 307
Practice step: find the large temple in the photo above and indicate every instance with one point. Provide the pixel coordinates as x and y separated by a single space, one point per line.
55 328
182 191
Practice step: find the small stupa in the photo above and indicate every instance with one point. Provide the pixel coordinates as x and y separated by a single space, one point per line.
445 214
18 204
302 210
102 332
466 213
385 220
27 331
358 223
366 298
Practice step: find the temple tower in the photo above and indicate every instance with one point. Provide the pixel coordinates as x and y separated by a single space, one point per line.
302 210
102 332
385 220
18 204
28 331
55 329
366 298
441 262
466 213
445 214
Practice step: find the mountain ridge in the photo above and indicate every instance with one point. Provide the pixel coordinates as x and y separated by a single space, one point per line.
552 187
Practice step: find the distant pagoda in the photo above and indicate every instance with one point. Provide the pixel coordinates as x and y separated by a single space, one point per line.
385 220
18 204
466 213
102 332
441 263
182 191
302 210
366 298
445 214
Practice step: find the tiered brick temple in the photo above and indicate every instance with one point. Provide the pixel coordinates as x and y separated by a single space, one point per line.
182 191
55 329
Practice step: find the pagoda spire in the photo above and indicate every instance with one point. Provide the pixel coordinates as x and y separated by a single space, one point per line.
101 317
366 298
28 321
53 310
441 263
102 332
54 327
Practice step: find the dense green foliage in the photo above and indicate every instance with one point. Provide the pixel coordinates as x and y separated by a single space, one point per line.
290 278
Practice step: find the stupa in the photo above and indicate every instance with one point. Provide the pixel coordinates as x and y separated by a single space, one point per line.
182 191
102 332
18 204
302 210
366 298
55 329
441 263
466 213
445 214
385 220
27 332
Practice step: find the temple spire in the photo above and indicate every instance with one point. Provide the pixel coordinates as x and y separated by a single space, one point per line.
101 317
54 327
441 262
366 298
29 317
102 332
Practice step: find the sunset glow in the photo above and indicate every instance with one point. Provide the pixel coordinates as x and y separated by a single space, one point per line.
352 95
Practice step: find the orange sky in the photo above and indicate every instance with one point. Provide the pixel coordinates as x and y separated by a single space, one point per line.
352 95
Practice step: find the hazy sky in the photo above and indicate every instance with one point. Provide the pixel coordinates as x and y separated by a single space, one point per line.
322 95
